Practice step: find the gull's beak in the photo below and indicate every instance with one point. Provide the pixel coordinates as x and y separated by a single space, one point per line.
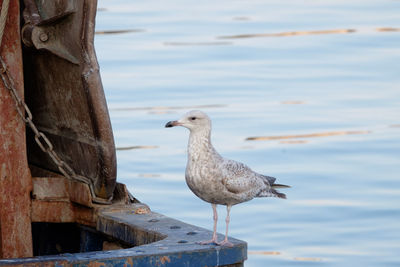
172 124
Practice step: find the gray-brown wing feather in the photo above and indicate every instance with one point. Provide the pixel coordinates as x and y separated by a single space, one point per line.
240 179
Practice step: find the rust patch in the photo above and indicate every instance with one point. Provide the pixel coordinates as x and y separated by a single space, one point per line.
142 210
54 211
80 193
85 216
52 188
15 180
111 246
129 262
96 264
61 189
62 212
165 259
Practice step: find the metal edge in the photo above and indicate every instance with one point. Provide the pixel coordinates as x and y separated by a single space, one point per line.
176 245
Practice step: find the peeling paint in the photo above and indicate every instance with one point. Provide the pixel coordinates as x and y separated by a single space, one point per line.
165 259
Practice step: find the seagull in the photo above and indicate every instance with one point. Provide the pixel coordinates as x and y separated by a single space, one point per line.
218 180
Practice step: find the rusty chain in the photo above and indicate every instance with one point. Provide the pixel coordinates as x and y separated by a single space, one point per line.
41 139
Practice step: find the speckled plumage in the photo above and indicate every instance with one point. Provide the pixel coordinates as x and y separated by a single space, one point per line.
215 179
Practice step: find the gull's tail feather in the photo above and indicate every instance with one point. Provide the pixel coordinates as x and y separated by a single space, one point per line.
278 194
271 181
271 193
280 186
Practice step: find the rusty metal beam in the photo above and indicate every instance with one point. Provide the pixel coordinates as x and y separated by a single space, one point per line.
52 211
63 212
15 180
61 189
57 199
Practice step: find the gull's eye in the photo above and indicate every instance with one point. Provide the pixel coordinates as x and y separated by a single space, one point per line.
193 118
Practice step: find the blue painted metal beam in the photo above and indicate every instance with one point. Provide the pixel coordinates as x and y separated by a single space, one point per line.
174 243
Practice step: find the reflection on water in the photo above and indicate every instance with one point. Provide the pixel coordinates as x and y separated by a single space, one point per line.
242 18
136 147
264 252
118 31
325 101
293 102
285 34
293 142
330 202
196 43
148 175
307 259
166 108
388 29
312 135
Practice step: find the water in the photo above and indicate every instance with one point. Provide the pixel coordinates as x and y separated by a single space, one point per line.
325 70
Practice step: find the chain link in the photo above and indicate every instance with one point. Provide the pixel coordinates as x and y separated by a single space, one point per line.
41 139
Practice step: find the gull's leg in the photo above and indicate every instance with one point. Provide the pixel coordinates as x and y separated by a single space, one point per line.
215 218
225 242
214 237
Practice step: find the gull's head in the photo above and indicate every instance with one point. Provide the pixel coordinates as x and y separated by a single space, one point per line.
194 120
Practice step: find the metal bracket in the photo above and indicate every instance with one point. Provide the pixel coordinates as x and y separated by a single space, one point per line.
53 31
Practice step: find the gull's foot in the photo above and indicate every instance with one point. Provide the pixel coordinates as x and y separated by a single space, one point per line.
225 243
208 242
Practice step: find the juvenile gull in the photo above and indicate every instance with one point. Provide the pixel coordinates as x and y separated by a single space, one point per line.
215 179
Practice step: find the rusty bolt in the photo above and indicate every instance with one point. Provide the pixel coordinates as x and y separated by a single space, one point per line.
43 37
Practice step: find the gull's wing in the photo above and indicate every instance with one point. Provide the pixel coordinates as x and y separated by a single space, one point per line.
238 178
241 180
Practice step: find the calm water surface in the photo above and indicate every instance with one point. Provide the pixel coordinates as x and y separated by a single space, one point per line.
320 77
